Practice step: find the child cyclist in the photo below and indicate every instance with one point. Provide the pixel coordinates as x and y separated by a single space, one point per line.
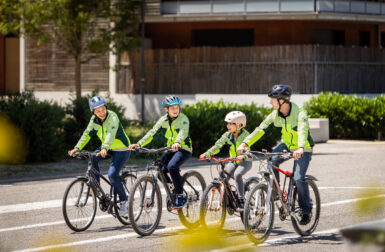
175 127
106 125
294 127
236 134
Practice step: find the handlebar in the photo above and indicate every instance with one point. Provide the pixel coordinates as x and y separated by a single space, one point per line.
152 151
86 154
224 160
266 154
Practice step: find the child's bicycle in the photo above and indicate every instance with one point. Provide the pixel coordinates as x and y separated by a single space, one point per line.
259 205
145 201
80 198
220 196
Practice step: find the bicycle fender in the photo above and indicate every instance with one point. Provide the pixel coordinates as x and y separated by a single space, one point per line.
252 180
310 177
82 177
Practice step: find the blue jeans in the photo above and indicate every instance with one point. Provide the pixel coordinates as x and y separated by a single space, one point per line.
174 161
299 169
118 160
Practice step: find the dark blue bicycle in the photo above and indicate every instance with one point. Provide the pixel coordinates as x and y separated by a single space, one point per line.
84 193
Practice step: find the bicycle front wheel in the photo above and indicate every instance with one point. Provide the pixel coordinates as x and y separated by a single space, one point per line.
193 186
128 180
315 200
145 205
213 207
79 205
258 218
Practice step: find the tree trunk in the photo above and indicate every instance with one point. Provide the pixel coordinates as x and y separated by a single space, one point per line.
78 76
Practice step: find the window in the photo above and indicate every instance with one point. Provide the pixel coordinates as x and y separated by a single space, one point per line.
364 38
328 37
223 37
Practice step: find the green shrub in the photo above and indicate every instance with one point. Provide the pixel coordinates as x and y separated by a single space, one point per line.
40 121
349 116
207 124
78 116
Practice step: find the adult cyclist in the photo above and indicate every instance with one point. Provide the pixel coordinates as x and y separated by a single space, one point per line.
174 126
106 125
292 121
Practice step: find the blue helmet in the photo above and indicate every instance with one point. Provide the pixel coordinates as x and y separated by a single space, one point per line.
170 100
96 102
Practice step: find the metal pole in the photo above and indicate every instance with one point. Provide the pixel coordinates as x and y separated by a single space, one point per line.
143 74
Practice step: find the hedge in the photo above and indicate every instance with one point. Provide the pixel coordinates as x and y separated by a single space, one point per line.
350 116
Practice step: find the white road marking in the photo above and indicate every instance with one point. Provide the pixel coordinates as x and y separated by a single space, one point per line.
78 243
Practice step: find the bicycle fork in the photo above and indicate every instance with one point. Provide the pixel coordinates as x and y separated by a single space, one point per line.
221 194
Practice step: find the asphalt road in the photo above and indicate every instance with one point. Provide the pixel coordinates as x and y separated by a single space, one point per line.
31 215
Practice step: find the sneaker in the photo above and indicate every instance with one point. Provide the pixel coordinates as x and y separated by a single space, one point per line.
305 219
180 201
123 207
241 206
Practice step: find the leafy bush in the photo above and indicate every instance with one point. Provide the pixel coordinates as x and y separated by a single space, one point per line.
349 116
41 123
79 115
207 124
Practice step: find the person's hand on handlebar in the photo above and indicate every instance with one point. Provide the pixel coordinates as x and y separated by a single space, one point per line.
242 148
175 146
202 156
298 153
72 152
102 153
133 146
241 158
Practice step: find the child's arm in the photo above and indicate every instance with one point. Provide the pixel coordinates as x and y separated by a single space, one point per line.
183 132
149 136
88 133
112 128
217 146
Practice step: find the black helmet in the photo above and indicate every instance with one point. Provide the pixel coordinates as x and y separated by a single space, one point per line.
280 91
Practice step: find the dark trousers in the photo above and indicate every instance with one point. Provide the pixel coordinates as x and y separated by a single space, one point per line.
299 169
173 161
118 160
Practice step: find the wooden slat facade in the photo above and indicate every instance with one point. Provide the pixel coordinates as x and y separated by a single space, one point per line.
252 70
48 68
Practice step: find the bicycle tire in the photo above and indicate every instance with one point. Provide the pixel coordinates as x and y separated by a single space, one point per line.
254 231
71 198
219 220
140 191
248 188
128 180
193 199
308 229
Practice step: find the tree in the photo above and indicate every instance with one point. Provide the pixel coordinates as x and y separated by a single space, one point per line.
85 29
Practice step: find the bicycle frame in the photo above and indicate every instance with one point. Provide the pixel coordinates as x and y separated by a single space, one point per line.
223 181
159 175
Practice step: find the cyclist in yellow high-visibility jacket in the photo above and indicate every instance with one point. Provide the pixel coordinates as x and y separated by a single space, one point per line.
174 126
292 121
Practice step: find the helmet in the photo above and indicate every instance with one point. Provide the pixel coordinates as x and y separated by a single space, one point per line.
170 100
96 102
236 117
280 91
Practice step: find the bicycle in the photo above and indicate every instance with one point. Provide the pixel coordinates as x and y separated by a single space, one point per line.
80 197
145 201
220 196
259 205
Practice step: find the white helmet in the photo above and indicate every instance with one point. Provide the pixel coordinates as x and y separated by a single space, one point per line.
236 117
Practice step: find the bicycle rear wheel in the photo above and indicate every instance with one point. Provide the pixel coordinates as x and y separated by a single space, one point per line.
128 180
193 186
315 200
212 207
257 219
145 205
79 205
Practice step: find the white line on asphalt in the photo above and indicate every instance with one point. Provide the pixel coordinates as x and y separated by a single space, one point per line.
43 204
173 229
57 203
350 187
